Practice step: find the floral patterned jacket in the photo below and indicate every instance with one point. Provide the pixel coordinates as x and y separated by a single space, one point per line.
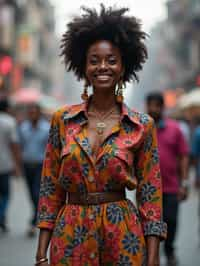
128 158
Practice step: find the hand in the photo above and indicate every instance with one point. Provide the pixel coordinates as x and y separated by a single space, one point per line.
44 264
156 262
42 261
17 172
182 193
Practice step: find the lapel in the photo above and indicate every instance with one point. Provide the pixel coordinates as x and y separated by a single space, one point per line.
74 120
130 130
130 134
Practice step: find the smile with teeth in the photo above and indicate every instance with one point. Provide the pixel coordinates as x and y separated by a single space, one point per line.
102 76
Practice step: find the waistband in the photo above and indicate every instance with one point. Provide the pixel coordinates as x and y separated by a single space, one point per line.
94 198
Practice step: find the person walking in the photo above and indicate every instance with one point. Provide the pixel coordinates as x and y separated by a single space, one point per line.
98 148
195 155
9 158
174 157
33 134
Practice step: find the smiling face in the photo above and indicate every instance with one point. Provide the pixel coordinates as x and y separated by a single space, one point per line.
104 66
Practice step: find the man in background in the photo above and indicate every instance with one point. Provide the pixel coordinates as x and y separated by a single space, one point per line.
33 134
195 156
9 158
174 157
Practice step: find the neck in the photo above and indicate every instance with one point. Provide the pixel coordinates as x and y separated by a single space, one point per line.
34 123
157 120
102 102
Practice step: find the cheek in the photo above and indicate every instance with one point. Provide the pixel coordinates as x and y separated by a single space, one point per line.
118 73
88 72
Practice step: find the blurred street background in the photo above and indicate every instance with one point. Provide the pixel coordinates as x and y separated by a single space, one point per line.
32 71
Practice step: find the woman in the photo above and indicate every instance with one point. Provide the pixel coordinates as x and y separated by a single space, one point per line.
98 148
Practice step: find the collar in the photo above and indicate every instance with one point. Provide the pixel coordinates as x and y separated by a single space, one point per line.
74 112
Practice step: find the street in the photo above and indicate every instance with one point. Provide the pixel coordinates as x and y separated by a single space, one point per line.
17 250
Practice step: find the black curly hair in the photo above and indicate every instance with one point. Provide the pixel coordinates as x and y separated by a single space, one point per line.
110 24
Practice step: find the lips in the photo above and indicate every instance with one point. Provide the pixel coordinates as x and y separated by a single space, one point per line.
102 77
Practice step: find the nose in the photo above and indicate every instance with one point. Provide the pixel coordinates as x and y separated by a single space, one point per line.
103 65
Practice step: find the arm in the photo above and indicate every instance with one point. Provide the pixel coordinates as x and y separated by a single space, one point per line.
183 152
149 193
195 154
153 244
52 196
43 243
184 163
15 149
183 178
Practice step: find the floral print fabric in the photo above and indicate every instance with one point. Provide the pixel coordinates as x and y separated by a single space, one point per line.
111 233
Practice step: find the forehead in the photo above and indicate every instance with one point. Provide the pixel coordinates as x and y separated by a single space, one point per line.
103 47
33 109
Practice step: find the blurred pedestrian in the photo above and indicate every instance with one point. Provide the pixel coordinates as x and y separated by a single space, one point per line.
9 158
173 151
33 133
195 154
94 148
185 128
195 151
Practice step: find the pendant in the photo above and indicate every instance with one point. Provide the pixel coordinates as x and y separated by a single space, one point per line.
100 127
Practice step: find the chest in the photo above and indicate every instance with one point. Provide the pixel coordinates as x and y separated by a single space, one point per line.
167 140
99 131
36 136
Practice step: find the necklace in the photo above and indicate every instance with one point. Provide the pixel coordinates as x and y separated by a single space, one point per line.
101 125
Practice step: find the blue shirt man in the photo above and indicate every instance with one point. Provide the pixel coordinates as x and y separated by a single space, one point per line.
33 140
33 134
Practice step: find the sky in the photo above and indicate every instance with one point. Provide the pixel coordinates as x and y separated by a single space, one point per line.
149 11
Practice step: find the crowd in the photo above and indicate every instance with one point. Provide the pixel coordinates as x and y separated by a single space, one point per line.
22 145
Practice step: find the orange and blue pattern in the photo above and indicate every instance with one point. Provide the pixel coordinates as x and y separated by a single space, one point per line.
111 233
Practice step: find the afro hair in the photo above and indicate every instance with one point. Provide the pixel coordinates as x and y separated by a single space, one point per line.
111 24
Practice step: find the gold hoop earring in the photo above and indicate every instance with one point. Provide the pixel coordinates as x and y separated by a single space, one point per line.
119 95
84 95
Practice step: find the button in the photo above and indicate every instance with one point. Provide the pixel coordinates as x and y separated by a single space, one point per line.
90 178
92 255
91 216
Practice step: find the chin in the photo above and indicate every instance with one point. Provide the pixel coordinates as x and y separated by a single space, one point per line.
104 86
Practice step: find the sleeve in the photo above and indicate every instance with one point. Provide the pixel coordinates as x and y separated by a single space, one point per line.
149 189
13 133
182 145
195 151
52 196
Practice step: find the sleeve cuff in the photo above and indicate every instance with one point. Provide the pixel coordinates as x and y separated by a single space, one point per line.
46 222
45 225
154 228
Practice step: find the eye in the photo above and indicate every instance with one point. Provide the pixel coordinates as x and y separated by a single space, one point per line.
93 61
112 60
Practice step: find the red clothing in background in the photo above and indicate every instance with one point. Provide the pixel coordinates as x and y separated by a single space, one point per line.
171 144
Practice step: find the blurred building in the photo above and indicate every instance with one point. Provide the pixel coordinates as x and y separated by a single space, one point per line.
179 52
27 43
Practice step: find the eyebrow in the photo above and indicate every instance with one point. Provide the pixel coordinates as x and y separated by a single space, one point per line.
94 54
